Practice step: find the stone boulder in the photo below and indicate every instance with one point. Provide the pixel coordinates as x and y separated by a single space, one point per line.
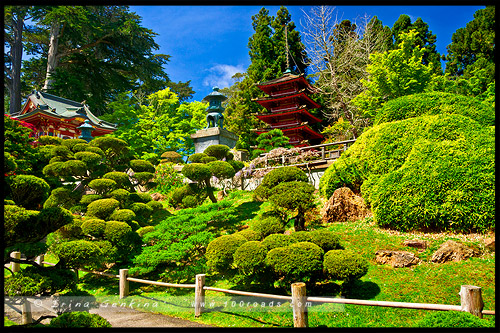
453 251
157 196
396 259
418 244
344 206
490 244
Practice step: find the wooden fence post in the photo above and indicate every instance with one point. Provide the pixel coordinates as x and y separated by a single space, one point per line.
300 318
471 300
26 317
15 266
123 286
199 294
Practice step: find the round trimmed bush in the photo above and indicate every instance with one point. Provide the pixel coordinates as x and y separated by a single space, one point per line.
302 236
79 319
102 186
121 195
196 158
344 265
326 239
49 140
140 197
217 151
123 215
121 178
196 171
88 157
171 157
249 234
71 143
268 225
29 191
278 240
102 208
207 159
142 211
80 147
94 227
189 201
157 206
88 198
77 254
117 232
452 319
302 261
221 169
220 252
142 166
144 230
250 257
277 176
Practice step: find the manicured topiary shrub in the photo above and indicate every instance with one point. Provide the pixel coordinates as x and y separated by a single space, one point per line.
157 206
250 234
63 197
77 254
177 196
94 227
196 158
437 172
218 151
268 225
142 166
220 252
171 157
79 320
102 186
144 230
123 215
344 265
302 236
277 176
142 211
196 171
71 143
452 319
302 261
433 103
121 195
221 169
249 257
140 197
325 239
88 198
278 240
29 191
81 147
102 208
88 157
207 159
117 232
121 178
49 140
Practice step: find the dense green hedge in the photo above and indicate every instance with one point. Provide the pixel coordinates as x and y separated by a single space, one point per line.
430 172
79 320
220 252
249 258
433 103
344 265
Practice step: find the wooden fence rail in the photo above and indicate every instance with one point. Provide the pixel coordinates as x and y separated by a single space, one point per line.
470 297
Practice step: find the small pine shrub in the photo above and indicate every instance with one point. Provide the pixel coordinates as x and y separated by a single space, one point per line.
278 240
117 232
142 211
344 265
302 261
121 195
249 257
123 215
79 320
88 157
29 191
249 234
142 166
196 171
302 236
196 158
71 143
325 239
170 157
121 179
208 159
218 151
88 198
102 208
220 252
221 169
277 176
140 197
102 186
157 206
93 227
452 319
144 230
77 254
268 225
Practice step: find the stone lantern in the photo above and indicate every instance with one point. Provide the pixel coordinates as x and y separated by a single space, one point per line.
86 130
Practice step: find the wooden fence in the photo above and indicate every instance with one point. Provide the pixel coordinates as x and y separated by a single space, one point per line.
471 299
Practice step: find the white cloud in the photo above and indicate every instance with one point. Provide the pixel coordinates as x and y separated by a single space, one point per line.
221 75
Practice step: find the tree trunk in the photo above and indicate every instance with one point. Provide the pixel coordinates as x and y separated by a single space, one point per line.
210 191
17 55
52 58
300 221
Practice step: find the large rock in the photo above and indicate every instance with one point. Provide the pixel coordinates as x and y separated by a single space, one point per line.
453 251
396 259
418 244
344 206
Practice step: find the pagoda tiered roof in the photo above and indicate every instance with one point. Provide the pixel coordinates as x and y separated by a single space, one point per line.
288 102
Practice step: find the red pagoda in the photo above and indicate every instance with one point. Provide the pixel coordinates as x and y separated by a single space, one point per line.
57 116
288 104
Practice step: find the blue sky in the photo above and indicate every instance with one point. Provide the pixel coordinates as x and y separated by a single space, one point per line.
208 44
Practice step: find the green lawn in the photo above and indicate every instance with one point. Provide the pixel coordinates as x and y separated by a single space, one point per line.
424 283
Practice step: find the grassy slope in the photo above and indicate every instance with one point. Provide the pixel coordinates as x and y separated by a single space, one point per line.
424 283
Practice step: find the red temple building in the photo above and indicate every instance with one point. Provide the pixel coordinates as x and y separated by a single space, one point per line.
288 106
57 116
